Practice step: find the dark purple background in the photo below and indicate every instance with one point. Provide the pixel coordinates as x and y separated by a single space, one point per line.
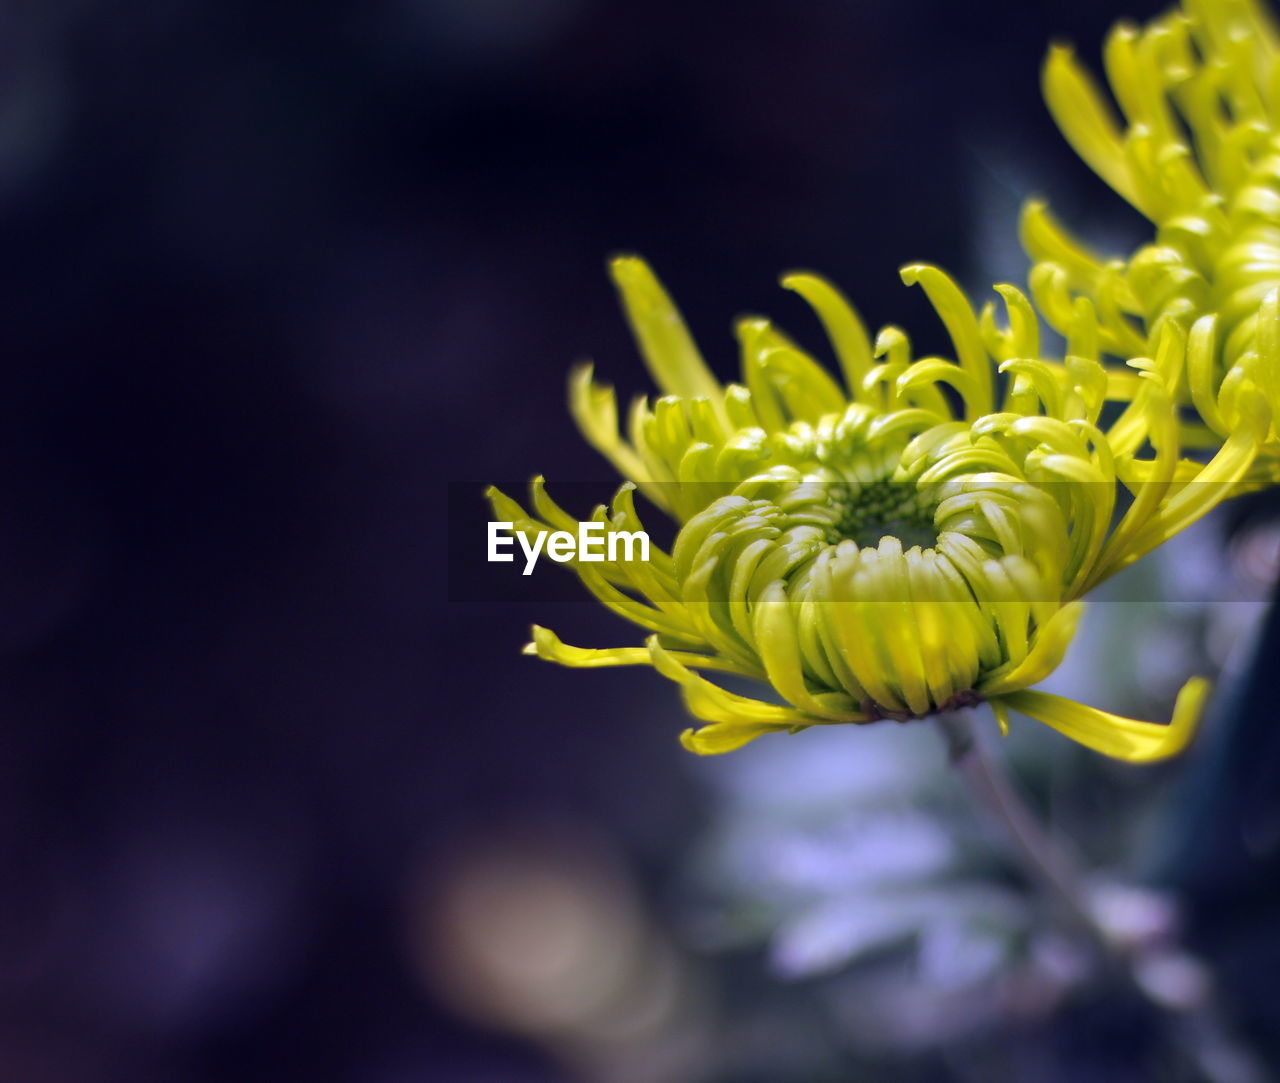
273 275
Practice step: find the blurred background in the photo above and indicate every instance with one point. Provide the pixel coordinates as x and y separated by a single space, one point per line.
279 797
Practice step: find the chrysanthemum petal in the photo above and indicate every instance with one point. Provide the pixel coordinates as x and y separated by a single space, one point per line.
711 703
1001 711
550 648
1209 487
594 408
1087 121
841 321
1111 734
1047 242
721 737
957 315
668 348
778 642
1047 651
1021 336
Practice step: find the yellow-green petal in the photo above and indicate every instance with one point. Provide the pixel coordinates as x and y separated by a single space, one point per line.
1112 734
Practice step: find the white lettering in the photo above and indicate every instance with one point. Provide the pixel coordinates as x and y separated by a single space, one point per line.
560 546
496 539
628 540
589 535
594 544
531 551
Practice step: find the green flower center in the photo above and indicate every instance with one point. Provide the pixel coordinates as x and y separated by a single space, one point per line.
850 488
866 512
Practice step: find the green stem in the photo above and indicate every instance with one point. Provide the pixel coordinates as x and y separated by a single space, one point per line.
1046 859
1050 862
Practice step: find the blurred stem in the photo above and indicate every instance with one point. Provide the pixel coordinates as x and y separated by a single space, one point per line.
1196 1026
1048 860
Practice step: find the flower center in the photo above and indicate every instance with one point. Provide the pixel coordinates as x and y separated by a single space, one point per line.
886 573
868 511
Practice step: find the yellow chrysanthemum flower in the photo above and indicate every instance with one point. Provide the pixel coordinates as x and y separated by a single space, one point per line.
1197 151
896 547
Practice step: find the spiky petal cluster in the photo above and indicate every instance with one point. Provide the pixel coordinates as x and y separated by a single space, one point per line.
1196 149
897 546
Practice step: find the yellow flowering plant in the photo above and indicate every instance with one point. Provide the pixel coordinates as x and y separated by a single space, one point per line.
1196 149
900 537
917 535
895 547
